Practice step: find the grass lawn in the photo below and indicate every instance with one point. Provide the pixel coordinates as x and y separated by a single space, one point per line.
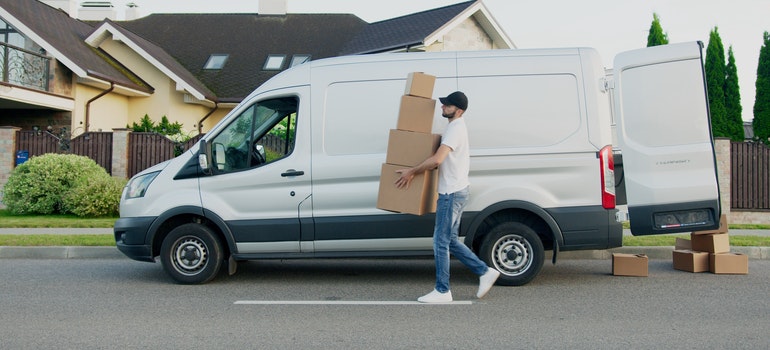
8 220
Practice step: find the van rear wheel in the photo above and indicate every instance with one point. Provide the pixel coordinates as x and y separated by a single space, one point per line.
515 250
191 254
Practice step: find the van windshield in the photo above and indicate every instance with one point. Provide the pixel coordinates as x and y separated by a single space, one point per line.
263 133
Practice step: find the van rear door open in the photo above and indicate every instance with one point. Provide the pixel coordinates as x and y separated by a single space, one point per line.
664 133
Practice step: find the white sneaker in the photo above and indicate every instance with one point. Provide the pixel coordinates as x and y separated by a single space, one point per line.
436 297
486 281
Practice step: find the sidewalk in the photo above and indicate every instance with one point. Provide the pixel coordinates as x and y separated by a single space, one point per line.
754 253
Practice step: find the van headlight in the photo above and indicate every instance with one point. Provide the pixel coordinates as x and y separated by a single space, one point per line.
137 187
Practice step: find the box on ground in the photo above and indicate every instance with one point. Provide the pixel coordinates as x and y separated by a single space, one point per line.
416 114
410 148
729 263
682 244
420 84
722 227
629 264
418 199
690 261
712 243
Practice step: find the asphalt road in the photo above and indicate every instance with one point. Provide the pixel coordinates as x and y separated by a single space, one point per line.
355 304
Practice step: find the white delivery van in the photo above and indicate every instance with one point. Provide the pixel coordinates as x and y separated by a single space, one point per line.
293 171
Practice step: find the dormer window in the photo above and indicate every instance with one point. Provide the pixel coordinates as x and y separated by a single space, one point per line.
216 61
299 59
274 62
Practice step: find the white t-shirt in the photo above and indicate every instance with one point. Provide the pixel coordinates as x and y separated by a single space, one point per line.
453 171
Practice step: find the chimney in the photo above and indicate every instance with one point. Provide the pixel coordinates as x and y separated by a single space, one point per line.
96 10
272 7
68 6
132 11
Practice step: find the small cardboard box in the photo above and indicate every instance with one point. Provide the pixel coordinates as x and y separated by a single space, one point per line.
690 261
712 243
722 227
418 199
416 114
629 264
683 244
420 84
410 148
729 263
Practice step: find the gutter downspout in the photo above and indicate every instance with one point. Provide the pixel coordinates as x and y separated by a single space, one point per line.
88 104
200 122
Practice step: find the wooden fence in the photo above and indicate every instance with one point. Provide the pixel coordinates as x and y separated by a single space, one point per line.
749 176
749 173
94 145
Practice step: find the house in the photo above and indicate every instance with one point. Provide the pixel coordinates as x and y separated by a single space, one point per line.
71 76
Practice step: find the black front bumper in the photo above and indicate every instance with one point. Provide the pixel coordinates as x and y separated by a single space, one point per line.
131 237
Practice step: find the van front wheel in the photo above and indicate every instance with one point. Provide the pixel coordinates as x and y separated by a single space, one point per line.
191 254
515 250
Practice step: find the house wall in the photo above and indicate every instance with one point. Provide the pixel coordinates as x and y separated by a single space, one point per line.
106 112
469 35
165 100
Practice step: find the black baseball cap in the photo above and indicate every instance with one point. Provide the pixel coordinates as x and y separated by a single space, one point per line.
456 99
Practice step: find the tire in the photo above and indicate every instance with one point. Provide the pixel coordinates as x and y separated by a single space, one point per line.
515 250
191 254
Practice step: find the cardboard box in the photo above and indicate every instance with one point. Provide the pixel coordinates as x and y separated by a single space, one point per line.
712 243
629 264
420 84
419 199
729 263
410 148
682 244
690 261
416 114
722 227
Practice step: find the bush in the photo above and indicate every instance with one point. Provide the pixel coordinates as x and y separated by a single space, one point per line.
95 197
39 185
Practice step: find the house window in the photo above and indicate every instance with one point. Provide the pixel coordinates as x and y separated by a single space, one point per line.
298 59
216 61
274 62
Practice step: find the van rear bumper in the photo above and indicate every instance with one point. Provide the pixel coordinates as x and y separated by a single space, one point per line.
130 237
590 227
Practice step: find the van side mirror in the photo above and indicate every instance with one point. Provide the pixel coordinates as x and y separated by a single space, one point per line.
204 154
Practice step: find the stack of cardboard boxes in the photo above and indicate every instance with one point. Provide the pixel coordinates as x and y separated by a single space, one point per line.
409 145
709 251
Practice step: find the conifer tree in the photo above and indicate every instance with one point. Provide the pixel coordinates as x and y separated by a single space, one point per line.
761 121
656 36
732 93
715 82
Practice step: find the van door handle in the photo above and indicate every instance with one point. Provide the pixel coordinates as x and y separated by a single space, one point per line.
292 172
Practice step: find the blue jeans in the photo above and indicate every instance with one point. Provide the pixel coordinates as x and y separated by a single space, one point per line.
449 209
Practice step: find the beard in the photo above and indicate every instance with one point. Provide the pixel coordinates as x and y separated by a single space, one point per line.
449 116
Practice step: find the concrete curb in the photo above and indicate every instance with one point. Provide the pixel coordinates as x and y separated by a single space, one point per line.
70 252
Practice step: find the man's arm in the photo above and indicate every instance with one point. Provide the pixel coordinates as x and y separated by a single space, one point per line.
428 164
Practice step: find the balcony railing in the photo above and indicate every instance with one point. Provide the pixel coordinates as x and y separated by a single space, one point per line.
24 68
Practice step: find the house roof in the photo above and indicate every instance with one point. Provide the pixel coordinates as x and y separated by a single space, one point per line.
404 31
180 44
63 37
247 39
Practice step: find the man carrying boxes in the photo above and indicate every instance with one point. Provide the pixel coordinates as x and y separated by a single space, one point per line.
452 158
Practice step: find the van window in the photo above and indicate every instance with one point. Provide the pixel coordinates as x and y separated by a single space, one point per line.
261 134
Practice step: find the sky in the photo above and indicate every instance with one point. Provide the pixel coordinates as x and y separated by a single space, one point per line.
610 26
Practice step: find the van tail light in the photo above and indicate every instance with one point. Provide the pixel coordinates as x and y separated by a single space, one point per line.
607 165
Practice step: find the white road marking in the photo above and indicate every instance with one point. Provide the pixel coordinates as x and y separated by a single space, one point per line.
343 302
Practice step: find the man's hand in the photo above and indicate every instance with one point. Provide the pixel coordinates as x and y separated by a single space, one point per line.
406 177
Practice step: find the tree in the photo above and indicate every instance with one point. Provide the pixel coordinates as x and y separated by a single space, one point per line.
732 93
715 82
761 121
656 36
